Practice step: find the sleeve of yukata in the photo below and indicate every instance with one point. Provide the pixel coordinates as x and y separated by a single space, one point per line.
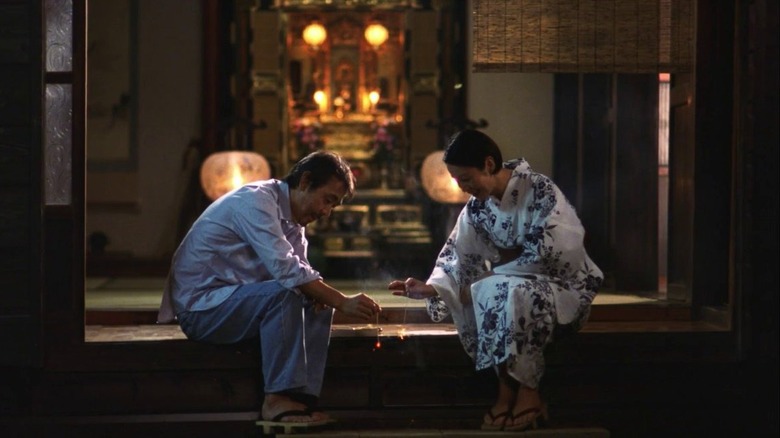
555 239
460 262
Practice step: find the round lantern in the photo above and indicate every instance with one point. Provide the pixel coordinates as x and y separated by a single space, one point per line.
438 183
226 171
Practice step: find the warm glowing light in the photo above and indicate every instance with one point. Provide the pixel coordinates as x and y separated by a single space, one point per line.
237 180
321 99
454 184
376 34
373 97
438 183
222 172
315 34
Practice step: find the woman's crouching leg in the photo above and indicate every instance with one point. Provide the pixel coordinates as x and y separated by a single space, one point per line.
535 321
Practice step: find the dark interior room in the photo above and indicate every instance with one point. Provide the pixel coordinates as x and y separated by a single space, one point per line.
121 121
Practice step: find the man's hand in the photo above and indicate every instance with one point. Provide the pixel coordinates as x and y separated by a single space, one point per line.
412 288
319 307
361 306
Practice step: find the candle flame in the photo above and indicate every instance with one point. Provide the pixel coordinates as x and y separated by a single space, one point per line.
373 97
319 97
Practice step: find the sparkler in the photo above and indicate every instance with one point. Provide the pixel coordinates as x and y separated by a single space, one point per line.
378 343
402 331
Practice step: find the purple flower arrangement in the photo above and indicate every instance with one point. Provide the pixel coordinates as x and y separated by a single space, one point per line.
383 144
307 135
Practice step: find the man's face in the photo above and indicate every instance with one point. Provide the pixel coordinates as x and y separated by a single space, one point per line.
309 205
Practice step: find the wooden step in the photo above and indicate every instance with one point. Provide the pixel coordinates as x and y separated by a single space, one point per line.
208 424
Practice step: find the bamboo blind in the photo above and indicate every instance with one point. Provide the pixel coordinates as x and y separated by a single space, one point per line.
583 36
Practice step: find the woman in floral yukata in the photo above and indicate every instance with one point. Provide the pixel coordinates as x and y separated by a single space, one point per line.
513 269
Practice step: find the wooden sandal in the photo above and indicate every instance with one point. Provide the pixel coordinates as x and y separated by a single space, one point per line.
539 419
277 423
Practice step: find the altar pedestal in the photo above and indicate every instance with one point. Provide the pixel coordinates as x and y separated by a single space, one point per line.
379 234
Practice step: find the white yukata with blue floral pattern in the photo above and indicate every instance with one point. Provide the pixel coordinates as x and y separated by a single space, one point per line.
515 306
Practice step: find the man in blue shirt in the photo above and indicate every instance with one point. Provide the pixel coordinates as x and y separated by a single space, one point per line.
241 272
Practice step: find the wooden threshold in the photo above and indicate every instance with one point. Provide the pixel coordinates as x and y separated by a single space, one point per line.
417 315
162 332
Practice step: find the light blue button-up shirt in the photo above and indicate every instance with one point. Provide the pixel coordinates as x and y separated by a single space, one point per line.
247 236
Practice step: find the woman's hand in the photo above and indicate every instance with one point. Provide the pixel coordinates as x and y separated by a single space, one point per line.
412 288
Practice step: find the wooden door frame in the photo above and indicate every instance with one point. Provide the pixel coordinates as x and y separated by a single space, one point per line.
606 163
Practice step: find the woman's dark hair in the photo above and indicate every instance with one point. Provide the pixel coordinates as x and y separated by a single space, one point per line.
323 166
469 148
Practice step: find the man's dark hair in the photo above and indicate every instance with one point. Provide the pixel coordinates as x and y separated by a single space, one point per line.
323 166
469 148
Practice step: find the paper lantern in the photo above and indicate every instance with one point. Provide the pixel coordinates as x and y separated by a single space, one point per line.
226 171
438 183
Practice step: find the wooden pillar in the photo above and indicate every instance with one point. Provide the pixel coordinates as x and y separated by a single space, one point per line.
268 91
423 102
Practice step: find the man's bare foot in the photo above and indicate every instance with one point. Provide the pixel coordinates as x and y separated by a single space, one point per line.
276 404
319 415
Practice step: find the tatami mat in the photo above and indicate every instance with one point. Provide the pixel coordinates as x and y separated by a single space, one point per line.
145 293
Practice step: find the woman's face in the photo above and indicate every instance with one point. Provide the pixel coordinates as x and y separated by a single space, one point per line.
476 182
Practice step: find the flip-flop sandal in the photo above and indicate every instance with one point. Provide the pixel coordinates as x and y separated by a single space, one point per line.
492 425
